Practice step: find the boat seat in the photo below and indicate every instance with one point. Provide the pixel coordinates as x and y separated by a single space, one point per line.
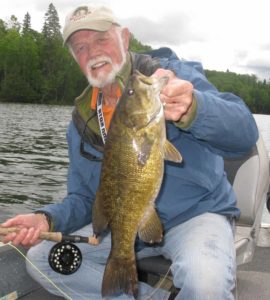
268 200
249 176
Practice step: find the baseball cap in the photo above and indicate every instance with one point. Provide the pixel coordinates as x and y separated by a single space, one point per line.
99 18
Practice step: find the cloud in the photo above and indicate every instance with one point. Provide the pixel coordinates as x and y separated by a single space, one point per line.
241 55
260 66
172 29
259 63
60 5
266 47
256 61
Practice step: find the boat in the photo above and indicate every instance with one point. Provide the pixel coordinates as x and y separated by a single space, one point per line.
250 178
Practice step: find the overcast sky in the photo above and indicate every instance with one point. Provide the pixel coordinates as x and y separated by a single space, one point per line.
221 34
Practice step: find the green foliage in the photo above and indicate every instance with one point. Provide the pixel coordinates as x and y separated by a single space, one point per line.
26 24
35 67
3 27
51 28
137 46
13 23
255 93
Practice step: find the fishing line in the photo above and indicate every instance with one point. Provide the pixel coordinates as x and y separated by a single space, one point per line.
158 286
149 297
37 269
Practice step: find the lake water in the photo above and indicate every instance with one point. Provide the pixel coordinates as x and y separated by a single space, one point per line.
33 156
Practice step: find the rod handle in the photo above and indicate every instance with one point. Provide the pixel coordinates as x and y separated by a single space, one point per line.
49 236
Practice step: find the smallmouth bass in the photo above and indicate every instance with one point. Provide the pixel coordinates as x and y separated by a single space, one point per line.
131 176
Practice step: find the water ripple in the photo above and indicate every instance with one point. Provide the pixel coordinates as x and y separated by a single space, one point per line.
33 156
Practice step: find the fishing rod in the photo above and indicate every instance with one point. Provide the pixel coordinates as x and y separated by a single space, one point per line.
64 257
54 236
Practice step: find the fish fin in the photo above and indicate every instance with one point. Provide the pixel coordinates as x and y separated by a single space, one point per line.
150 230
99 220
145 149
171 153
120 276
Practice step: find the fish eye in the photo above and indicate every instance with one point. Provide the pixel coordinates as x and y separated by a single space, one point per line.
130 92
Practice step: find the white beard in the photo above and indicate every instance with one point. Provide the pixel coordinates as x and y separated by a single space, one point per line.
104 78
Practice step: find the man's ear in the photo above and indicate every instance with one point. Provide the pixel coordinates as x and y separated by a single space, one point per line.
125 36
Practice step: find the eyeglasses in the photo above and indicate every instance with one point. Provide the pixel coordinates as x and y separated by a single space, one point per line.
84 153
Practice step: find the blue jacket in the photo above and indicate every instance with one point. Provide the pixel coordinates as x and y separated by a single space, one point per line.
223 127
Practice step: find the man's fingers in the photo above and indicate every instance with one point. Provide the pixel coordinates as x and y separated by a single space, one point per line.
177 87
19 237
28 237
162 72
9 223
30 224
9 237
35 237
16 221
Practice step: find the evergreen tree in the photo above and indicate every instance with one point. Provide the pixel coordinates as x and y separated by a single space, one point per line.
51 56
51 28
26 24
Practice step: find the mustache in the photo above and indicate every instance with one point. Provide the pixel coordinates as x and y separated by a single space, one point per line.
100 59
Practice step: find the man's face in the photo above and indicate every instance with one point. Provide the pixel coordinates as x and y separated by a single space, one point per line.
100 55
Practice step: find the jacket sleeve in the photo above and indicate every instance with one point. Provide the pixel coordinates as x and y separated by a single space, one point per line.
222 120
76 209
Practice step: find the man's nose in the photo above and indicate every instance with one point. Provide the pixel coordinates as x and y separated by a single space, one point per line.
94 51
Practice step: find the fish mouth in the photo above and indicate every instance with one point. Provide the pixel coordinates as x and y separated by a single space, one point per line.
137 123
154 115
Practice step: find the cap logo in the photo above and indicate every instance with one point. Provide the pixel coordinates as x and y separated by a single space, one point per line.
80 13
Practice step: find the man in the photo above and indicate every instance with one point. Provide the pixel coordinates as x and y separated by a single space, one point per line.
196 203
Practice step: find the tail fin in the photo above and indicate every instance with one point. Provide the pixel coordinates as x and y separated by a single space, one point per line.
120 277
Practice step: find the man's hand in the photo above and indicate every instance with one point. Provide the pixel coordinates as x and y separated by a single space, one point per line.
177 96
31 225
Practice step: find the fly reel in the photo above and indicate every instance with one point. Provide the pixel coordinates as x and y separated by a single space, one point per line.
65 258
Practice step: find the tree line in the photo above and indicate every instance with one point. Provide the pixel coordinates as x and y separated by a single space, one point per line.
254 92
36 68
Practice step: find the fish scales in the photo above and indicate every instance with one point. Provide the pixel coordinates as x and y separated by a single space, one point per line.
131 176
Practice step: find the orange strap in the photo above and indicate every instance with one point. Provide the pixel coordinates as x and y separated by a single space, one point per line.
107 110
